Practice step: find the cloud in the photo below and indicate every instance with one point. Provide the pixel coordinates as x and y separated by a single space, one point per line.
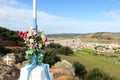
8 2
20 18
17 17
112 14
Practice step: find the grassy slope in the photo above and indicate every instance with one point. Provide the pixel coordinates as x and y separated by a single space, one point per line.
107 65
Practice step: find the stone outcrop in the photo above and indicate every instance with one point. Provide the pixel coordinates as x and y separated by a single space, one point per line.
63 71
10 57
8 72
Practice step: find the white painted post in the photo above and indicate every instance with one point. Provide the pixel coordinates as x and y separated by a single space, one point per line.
35 14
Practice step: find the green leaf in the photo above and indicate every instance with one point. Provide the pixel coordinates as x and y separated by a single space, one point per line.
32 51
28 56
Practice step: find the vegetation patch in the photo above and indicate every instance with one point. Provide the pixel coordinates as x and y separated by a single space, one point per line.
90 61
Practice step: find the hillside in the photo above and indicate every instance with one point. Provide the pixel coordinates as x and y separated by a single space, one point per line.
104 35
98 35
65 35
93 61
9 38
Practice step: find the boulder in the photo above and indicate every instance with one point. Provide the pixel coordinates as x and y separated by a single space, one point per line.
10 57
9 72
63 71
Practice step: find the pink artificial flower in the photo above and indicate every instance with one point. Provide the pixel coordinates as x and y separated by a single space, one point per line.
25 34
46 40
21 34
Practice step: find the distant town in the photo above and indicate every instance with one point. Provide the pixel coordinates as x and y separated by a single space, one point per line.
78 44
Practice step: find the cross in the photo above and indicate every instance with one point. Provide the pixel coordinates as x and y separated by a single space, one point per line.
7 59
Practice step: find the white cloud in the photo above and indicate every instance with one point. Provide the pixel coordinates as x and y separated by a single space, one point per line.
112 14
20 18
8 2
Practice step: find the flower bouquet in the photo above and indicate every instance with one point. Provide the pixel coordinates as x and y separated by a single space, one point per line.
35 42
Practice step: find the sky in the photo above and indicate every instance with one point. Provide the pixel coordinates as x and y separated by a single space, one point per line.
62 16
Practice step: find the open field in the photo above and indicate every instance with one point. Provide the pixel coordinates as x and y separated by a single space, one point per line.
90 62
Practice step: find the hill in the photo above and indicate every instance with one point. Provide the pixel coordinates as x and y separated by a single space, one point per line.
64 35
98 35
103 35
10 38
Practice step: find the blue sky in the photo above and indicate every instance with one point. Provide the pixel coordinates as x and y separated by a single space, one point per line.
62 16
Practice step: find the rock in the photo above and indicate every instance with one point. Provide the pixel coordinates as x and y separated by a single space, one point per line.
12 58
65 77
63 71
9 72
19 65
9 58
19 58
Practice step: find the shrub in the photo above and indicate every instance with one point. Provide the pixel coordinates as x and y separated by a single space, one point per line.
51 57
4 50
65 50
96 74
79 70
54 45
60 49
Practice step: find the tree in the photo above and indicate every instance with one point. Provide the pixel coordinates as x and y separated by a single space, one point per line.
79 70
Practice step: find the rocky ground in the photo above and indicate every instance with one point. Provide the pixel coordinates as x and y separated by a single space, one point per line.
8 72
61 71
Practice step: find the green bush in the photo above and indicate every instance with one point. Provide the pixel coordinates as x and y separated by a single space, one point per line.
96 74
10 36
51 53
4 50
54 45
60 49
51 57
79 70
113 56
65 50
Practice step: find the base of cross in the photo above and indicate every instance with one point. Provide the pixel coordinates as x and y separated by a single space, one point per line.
40 72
